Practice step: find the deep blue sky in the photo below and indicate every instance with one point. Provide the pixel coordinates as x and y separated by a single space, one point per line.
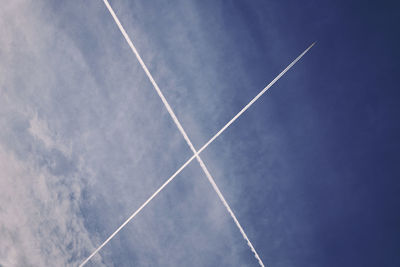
338 112
310 170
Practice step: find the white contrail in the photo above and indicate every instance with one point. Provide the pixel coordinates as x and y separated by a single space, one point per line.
185 136
197 153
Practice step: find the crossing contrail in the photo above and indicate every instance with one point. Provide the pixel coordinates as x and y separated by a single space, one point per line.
197 153
183 132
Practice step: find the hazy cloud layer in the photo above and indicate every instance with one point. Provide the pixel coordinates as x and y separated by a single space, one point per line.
84 142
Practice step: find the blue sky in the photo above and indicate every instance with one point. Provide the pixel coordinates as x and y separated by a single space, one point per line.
310 170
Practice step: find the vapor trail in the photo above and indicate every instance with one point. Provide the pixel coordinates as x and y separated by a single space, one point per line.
185 136
197 153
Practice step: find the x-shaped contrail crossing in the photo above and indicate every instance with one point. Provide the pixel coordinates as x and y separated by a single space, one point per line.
196 154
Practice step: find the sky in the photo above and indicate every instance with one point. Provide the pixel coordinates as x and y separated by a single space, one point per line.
310 170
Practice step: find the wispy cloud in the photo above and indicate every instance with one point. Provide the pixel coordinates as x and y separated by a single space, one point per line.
40 178
85 134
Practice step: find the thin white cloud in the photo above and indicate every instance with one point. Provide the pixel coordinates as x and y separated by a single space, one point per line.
40 130
39 223
40 180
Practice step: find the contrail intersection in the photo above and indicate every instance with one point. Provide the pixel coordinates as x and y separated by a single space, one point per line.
196 153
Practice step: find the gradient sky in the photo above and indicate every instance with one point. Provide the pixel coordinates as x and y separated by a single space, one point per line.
311 170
